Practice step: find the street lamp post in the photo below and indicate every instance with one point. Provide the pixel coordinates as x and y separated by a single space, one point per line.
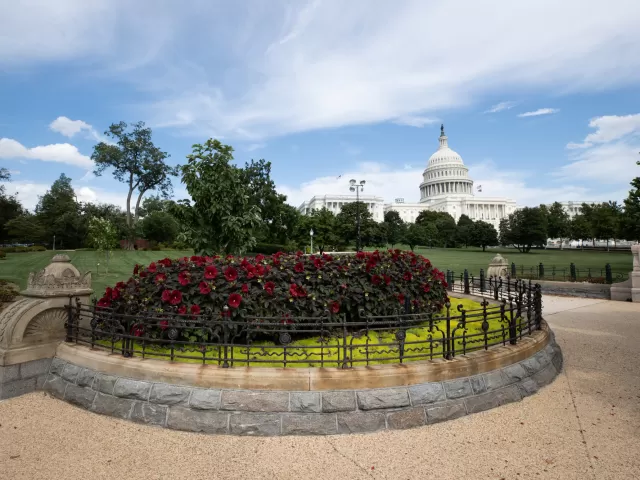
311 235
357 187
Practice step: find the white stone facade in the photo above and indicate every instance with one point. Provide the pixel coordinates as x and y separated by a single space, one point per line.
334 204
573 208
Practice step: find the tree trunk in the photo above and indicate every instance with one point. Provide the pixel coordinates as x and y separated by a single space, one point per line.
484 248
135 218
607 244
561 244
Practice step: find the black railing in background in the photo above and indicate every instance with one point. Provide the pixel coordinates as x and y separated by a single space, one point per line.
571 273
229 339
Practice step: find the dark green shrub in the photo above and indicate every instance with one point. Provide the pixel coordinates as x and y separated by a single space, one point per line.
268 248
2 255
37 248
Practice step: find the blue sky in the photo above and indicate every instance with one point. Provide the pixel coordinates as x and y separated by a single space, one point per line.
541 99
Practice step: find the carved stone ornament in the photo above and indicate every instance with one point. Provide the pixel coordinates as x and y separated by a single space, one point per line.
59 278
499 267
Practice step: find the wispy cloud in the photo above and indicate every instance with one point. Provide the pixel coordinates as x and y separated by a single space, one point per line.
499 107
58 152
69 128
415 121
255 146
540 111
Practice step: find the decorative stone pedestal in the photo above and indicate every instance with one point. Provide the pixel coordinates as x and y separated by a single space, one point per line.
499 267
629 291
32 327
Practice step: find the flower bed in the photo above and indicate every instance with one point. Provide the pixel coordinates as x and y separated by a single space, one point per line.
281 285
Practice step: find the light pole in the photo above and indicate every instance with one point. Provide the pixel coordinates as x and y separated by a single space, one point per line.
311 235
357 187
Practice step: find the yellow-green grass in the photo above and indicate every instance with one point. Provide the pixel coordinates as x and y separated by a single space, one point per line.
382 348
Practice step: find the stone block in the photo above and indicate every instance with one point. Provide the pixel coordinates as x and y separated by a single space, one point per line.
112 406
338 401
205 399
458 388
169 394
543 358
413 417
382 398
149 413
40 381
9 373
528 386
557 358
477 384
180 418
255 424
360 422
308 402
531 365
128 388
495 380
545 376
427 393
246 400
17 388
81 396
70 372
494 398
35 368
104 383
55 386
85 378
514 373
57 365
445 411
309 424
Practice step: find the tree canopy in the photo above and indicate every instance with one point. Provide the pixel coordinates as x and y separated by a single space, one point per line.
524 229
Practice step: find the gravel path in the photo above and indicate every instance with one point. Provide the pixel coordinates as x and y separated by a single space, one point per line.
585 425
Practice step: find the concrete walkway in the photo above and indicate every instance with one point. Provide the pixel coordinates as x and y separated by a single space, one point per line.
585 425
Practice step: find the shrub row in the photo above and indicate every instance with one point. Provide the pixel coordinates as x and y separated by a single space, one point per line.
33 248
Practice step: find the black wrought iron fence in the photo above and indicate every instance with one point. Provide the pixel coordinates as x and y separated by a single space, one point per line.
570 273
329 340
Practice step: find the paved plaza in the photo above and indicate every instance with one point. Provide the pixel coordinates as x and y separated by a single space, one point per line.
585 425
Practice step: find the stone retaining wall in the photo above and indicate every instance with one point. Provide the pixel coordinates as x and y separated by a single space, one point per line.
23 378
268 413
576 289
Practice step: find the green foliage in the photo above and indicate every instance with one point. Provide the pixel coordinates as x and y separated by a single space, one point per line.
444 224
10 208
32 248
579 228
347 224
524 228
395 228
3 255
416 235
558 222
103 236
222 217
59 214
159 226
630 221
325 225
25 228
483 234
464 230
268 248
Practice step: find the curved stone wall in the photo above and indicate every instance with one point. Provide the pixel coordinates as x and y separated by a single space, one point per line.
279 412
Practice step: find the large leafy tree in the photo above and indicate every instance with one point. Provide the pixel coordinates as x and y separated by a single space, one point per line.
579 229
443 223
103 236
416 235
524 229
630 221
222 218
395 228
25 228
135 161
605 218
59 214
558 225
323 224
483 234
464 231
346 223
160 227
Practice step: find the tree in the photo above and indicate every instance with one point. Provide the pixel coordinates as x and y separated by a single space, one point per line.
588 212
630 221
103 237
59 213
25 228
416 235
136 161
525 228
323 224
504 232
110 212
394 227
346 223
160 227
483 234
464 230
154 203
443 223
579 229
605 219
558 223
10 208
221 218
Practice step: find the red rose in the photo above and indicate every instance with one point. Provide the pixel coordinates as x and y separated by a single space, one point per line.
335 307
163 324
195 309
245 288
136 269
210 272
176 297
317 263
160 278
166 295
204 288
426 288
376 279
401 298
407 276
234 300
269 287
152 267
259 257
298 267
387 279
182 310
165 261
184 277
231 274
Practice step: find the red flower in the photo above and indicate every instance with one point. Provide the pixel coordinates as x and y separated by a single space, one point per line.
208 260
136 269
445 284
143 274
104 302
120 285
166 295
163 324
371 264
376 279
298 267
210 272
197 260
231 274
407 276
269 287
160 278
204 288
152 267
299 253
108 292
184 277
259 257
234 300
115 294
335 307
182 310
251 271
245 288
176 297
317 263
426 288
137 330
387 279
165 261
195 309
259 269
327 258
401 298
297 291
344 285
361 255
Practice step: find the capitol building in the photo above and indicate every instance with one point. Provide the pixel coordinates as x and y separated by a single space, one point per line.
445 187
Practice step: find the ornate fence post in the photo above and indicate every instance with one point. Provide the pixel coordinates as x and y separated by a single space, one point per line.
466 281
226 335
514 271
538 304
541 270
448 348
482 280
608 274
572 272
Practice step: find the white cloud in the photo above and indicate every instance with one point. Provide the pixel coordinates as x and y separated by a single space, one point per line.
415 121
499 107
14 172
540 111
58 152
69 128
255 146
